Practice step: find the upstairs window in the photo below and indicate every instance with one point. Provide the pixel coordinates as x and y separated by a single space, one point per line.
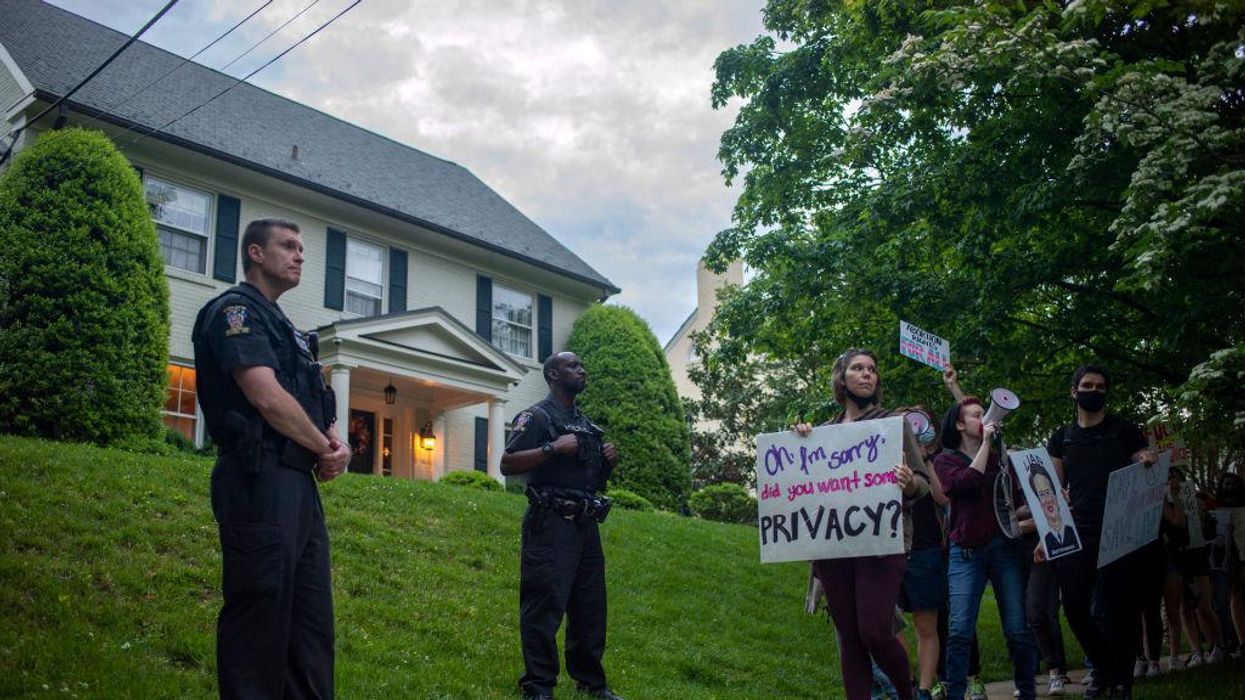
512 321
364 281
181 215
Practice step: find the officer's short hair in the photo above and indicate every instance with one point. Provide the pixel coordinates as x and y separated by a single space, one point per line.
554 361
258 232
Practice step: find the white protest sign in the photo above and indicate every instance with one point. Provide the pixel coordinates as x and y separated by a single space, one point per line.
832 494
1161 437
923 346
1040 483
1134 506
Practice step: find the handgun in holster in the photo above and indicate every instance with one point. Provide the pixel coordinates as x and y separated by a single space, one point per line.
248 445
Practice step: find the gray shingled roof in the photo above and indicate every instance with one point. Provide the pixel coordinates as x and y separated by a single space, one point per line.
55 49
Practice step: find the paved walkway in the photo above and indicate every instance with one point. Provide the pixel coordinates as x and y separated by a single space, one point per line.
1003 690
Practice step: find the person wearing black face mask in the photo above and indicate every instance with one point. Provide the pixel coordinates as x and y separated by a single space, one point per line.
1085 452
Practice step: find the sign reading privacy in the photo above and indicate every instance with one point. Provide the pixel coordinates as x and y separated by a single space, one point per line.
832 494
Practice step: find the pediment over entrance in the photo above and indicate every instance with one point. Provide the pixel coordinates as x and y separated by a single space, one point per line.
425 343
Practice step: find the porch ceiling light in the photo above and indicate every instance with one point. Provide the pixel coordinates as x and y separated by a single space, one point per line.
427 438
391 393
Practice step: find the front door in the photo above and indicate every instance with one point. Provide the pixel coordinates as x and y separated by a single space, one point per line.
362 437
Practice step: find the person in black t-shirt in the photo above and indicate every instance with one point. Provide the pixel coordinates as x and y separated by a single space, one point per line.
1085 452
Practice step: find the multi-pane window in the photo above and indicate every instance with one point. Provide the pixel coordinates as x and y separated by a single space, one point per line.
512 321
179 400
181 215
364 284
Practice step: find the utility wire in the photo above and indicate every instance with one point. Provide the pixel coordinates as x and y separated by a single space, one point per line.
259 43
18 131
236 83
113 107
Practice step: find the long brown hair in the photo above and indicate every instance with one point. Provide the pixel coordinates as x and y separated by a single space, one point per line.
838 381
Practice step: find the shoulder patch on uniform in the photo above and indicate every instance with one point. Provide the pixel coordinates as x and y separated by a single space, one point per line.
521 421
236 317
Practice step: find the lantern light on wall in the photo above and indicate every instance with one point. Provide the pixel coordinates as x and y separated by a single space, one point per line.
427 438
391 393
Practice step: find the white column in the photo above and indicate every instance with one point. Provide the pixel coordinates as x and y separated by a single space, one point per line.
339 379
440 466
496 436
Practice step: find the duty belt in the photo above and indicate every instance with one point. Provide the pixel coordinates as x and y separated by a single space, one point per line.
576 506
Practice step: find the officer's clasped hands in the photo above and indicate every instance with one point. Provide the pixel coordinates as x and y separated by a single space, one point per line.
330 465
567 444
610 453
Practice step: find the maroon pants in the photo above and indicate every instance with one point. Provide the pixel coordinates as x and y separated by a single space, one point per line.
862 592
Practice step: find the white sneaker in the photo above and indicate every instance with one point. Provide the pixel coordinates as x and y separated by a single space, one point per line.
1139 668
1216 655
1195 659
1056 686
1152 669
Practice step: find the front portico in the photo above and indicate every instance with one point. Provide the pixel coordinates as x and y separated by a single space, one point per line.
429 364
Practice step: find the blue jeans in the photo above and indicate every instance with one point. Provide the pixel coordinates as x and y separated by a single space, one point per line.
1001 561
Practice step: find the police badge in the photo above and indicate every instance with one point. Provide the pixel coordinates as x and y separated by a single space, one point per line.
235 316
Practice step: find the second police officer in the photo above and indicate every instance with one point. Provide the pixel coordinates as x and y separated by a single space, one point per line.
562 571
271 417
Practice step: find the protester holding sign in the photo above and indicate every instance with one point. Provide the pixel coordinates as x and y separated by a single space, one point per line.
967 468
1085 452
861 592
923 592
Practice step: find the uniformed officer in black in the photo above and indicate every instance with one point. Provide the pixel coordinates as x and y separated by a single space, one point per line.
562 571
270 415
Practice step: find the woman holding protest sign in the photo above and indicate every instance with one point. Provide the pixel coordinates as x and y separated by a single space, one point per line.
980 551
861 592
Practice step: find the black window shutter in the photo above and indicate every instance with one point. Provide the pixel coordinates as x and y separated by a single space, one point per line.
484 307
335 271
481 445
228 215
397 280
544 327
137 169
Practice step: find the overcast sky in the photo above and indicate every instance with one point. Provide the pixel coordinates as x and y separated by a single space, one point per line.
590 116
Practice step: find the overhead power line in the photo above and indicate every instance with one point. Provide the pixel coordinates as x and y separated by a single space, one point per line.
114 106
239 81
59 101
259 43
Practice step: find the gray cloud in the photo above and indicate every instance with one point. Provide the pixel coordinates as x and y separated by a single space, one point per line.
592 117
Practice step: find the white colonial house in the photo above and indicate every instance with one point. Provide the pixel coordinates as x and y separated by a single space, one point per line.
680 350
434 298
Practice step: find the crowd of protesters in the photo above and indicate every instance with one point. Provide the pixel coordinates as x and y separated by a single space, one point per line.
1187 585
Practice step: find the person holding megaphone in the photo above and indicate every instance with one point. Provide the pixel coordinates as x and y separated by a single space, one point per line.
980 549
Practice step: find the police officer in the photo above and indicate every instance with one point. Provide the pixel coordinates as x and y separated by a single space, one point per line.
563 568
271 417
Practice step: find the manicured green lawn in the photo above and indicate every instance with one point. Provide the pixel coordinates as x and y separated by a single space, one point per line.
110 573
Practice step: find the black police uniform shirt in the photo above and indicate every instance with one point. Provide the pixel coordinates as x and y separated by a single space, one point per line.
1089 456
240 330
543 423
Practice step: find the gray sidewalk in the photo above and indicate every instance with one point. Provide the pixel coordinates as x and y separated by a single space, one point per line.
1003 690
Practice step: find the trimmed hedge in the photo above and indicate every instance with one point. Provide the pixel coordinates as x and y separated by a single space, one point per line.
84 305
630 500
631 395
727 503
472 479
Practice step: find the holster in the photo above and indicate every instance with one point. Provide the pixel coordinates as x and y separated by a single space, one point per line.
576 506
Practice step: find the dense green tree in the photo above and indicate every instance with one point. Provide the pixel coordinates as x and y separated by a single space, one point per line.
83 300
1041 183
631 395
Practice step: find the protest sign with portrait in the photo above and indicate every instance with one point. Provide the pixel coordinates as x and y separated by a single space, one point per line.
1040 483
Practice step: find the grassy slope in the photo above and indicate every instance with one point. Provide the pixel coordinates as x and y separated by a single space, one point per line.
110 569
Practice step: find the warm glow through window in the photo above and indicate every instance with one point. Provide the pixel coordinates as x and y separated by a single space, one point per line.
179 400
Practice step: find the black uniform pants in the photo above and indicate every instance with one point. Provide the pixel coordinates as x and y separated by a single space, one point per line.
1111 650
562 572
274 637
